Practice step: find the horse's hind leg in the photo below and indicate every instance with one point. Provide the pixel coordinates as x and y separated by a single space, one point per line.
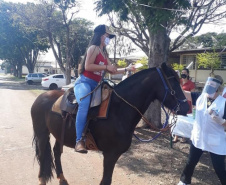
59 171
109 163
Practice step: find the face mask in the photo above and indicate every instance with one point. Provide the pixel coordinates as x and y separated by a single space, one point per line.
210 90
183 76
106 41
211 87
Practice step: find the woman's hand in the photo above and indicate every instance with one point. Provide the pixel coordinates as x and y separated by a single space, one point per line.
216 117
131 67
111 69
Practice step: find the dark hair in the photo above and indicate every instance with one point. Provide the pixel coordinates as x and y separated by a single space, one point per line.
187 70
219 78
96 40
221 87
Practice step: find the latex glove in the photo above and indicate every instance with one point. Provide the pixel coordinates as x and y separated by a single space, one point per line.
218 119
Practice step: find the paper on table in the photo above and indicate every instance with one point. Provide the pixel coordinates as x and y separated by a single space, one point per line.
138 65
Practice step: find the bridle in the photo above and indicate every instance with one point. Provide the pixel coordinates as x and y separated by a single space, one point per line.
168 90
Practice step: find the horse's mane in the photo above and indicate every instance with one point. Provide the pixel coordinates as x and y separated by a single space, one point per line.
167 69
134 77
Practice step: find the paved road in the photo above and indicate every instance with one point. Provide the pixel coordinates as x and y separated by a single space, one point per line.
18 166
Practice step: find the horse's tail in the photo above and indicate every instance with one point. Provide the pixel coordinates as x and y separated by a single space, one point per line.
44 156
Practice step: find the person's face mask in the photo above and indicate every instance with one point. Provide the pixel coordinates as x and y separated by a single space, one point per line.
211 88
106 41
184 76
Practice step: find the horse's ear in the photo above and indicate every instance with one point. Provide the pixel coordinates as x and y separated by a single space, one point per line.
164 66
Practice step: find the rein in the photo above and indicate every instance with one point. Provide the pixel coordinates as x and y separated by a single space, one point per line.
168 89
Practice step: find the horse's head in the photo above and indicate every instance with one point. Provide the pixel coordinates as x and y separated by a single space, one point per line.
172 96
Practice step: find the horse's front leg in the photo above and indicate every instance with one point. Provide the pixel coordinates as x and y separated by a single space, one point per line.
59 171
109 163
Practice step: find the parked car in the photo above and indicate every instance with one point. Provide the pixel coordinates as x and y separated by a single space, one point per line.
66 87
34 78
55 81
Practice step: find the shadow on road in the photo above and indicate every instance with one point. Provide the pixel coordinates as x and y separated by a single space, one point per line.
9 83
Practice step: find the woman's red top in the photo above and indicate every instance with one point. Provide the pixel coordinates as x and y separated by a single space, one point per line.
96 75
188 86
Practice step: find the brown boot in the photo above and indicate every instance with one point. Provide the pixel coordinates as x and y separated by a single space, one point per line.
80 147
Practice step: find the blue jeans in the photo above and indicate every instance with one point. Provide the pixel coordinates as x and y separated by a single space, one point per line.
83 86
193 159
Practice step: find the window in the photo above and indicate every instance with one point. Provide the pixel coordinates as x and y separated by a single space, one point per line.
223 61
34 75
59 76
187 59
41 75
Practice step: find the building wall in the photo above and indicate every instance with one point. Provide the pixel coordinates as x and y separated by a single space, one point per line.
202 75
44 69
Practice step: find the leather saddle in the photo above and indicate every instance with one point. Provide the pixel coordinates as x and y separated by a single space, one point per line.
67 107
68 104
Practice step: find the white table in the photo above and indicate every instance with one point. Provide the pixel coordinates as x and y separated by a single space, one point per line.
183 126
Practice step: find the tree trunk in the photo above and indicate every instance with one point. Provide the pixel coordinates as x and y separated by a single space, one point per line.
68 63
57 54
29 65
19 70
68 55
158 53
14 71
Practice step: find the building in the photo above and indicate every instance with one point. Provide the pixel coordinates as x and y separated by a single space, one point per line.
186 57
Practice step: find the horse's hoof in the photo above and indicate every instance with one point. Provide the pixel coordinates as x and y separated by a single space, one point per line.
63 182
42 181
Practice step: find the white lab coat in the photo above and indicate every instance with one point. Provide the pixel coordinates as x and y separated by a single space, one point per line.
207 134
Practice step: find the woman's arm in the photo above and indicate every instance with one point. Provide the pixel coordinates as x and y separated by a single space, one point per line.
187 94
92 53
120 70
125 69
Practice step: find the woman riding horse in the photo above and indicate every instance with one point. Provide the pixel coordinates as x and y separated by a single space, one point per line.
96 61
113 136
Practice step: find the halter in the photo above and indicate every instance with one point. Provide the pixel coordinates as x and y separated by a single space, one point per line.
168 89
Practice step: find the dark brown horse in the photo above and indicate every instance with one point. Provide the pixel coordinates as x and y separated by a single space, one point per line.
113 135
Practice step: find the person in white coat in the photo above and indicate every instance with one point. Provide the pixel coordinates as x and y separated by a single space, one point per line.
208 130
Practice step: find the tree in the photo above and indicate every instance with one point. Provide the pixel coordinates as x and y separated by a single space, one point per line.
84 34
10 40
34 40
144 62
148 23
21 44
209 60
210 39
68 37
178 67
121 63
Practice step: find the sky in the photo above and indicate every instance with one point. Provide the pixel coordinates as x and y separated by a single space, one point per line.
87 11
